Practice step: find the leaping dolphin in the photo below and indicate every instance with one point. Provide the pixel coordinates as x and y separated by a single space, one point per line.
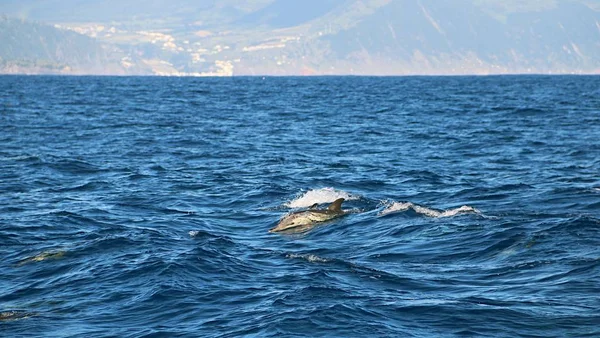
307 218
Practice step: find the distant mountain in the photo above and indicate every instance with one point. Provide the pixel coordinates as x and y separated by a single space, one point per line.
286 13
107 11
288 37
33 48
412 36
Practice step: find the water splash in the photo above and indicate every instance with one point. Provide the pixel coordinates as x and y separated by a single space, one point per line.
308 257
320 196
194 233
393 207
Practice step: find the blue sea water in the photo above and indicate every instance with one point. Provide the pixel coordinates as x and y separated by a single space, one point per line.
140 206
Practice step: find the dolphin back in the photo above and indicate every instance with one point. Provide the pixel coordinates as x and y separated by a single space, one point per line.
308 218
336 206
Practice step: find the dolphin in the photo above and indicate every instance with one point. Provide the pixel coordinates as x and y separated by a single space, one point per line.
15 315
304 220
46 255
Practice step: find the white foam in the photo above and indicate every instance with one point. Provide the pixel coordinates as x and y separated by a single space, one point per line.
395 207
404 206
323 195
309 257
465 209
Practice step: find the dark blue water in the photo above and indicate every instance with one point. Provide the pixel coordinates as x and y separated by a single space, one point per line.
138 207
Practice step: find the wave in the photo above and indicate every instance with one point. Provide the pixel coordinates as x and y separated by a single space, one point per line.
320 196
393 207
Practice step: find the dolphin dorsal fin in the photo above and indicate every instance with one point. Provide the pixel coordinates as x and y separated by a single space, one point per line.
336 205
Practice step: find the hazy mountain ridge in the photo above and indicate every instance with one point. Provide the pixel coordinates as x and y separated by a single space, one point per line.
34 48
315 37
439 38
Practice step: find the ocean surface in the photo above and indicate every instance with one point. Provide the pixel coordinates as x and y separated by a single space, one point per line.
141 206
